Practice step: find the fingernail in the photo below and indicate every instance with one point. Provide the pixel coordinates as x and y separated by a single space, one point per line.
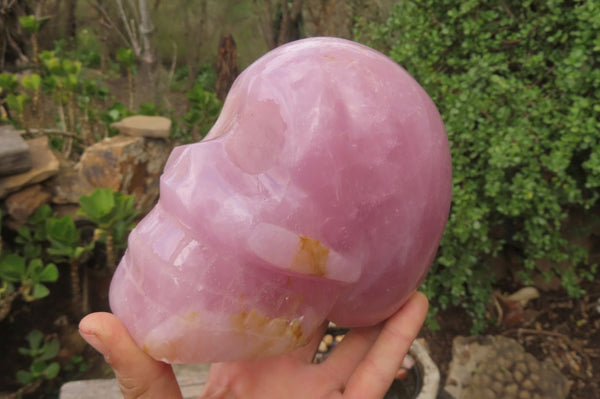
95 342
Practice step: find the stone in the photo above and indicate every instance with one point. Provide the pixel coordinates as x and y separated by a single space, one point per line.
144 126
191 379
128 164
472 369
21 204
14 152
429 370
68 185
44 164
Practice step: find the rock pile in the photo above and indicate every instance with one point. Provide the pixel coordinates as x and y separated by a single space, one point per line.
32 174
14 152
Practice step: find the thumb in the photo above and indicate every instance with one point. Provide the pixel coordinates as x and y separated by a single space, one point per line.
139 375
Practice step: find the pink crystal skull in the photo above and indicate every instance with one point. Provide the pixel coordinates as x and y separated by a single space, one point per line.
321 193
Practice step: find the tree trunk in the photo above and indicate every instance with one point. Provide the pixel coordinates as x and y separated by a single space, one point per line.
195 30
227 69
291 22
71 21
146 31
75 286
12 40
103 35
266 15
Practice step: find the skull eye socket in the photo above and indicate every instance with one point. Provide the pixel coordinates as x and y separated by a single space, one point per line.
259 138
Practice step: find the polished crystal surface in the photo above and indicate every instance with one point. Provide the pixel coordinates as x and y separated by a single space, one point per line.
321 193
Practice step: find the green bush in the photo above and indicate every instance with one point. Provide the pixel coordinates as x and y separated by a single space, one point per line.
518 86
41 351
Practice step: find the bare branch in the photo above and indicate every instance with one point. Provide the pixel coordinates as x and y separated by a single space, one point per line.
111 24
265 16
146 29
41 132
132 39
135 12
173 65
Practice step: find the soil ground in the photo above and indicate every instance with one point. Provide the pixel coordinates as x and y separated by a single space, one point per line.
556 327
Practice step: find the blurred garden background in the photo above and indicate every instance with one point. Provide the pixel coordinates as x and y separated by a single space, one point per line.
517 84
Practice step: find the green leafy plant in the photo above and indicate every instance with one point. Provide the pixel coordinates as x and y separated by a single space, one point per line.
88 48
29 276
91 96
32 236
75 367
149 109
41 351
31 24
64 238
62 80
518 86
33 83
27 279
114 113
202 114
8 86
114 215
207 78
8 83
16 103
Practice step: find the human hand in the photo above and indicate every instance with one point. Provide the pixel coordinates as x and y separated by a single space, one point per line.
362 366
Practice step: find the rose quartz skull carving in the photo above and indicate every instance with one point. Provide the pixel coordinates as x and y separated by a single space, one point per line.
321 193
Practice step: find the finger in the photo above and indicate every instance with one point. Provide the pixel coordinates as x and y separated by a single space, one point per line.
306 353
375 373
139 376
350 352
346 355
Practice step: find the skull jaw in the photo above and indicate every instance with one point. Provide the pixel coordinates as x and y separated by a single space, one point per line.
242 336
181 304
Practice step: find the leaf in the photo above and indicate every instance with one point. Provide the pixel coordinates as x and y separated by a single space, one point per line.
52 370
50 350
126 57
12 268
35 267
49 273
40 291
60 251
98 206
62 231
24 235
38 367
41 214
54 66
80 251
32 82
24 377
17 102
32 250
24 351
30 23
8 82
35 338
